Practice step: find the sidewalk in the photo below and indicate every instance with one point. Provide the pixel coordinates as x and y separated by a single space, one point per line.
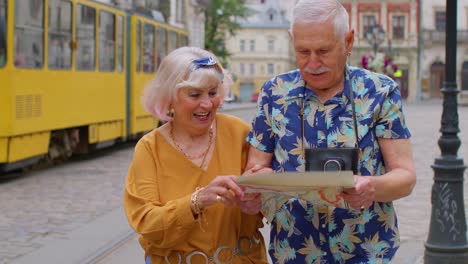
109 239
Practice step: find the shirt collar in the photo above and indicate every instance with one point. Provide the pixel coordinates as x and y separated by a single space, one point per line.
300 90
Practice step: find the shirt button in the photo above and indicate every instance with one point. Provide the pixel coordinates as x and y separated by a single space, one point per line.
324 253
323 226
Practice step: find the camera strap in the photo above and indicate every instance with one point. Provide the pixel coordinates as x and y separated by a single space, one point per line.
353 106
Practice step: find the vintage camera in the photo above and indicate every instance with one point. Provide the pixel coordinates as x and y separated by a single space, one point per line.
332 159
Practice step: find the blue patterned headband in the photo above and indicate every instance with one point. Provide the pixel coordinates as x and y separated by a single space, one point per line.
206 63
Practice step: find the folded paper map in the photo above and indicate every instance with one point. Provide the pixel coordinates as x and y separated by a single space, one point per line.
316 187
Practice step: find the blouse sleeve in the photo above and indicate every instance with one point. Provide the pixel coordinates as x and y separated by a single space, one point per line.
164 225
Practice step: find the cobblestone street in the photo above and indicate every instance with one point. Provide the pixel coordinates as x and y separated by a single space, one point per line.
46 205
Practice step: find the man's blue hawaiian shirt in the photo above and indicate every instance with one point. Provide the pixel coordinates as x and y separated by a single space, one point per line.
300 231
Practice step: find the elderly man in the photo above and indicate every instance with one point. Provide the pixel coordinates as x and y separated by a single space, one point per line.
313 107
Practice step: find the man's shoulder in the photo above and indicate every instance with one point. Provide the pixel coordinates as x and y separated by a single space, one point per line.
284 84
372 81
290 76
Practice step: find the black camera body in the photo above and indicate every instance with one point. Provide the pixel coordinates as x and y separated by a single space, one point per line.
332 159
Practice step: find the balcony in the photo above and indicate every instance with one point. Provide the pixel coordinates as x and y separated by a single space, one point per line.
434 36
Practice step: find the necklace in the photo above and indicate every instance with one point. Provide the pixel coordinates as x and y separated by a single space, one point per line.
203 154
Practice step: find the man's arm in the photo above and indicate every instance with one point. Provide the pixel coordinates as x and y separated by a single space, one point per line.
257 160
396 183
400 176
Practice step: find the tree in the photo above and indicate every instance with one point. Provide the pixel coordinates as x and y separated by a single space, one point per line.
220 18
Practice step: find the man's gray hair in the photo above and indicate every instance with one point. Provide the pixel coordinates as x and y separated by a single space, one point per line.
320 11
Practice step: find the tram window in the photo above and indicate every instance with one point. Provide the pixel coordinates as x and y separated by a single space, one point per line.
60 34
3 35
120 41
85 38
29 33
138 46
106 41
183 40
172 41
162 44
148 48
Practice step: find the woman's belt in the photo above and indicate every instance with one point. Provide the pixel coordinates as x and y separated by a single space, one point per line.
222 255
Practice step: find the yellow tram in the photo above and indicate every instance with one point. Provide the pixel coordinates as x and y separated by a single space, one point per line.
71 76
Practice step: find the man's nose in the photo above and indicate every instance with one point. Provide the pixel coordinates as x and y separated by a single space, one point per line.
314 62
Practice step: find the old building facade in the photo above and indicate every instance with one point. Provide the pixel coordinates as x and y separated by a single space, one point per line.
399 20
433 53
261 48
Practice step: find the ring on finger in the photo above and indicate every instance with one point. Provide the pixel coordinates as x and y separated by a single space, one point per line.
219 198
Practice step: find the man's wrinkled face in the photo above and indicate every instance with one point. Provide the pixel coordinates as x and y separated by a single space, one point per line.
321 55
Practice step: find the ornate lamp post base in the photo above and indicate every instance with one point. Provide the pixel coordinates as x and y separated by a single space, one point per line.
447 240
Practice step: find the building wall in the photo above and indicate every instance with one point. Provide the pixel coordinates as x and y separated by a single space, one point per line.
405 51
433 51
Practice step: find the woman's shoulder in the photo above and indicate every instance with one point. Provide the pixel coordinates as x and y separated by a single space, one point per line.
150 139
226 120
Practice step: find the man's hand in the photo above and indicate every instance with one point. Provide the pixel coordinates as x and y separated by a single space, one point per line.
250 203
362 195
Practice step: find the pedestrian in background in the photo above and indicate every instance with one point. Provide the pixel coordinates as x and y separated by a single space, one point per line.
174 195
313 107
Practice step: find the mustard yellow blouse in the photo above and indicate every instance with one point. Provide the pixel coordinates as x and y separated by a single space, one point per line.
157 194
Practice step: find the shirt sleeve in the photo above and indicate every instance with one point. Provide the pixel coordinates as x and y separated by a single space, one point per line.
261 136
391 121
164 225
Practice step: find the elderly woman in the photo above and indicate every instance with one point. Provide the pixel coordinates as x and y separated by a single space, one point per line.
174 197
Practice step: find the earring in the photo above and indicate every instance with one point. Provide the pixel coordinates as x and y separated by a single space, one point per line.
170 112
349 54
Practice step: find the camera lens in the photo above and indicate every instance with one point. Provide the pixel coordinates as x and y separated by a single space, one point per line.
333 165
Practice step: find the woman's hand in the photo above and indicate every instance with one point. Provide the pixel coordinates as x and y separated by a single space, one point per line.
222 189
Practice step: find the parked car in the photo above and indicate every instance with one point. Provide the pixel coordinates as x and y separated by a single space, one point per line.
254 97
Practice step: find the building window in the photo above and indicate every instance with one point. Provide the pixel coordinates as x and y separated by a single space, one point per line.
242 69
271 45
368 21
242 45
252 69
180 11
398 27
252 45
271 68
440 20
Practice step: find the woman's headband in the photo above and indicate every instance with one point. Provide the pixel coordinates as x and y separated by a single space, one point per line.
208 62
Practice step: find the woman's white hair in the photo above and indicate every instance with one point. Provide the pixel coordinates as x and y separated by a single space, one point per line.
320 11
175 72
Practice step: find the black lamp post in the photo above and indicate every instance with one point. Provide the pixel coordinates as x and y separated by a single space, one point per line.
375 36
447 241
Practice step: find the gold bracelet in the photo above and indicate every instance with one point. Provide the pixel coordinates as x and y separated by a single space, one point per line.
194 202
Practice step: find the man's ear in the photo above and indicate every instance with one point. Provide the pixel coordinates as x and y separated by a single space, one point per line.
349 40
290 34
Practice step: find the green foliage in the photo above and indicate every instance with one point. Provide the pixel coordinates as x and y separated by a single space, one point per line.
220 18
